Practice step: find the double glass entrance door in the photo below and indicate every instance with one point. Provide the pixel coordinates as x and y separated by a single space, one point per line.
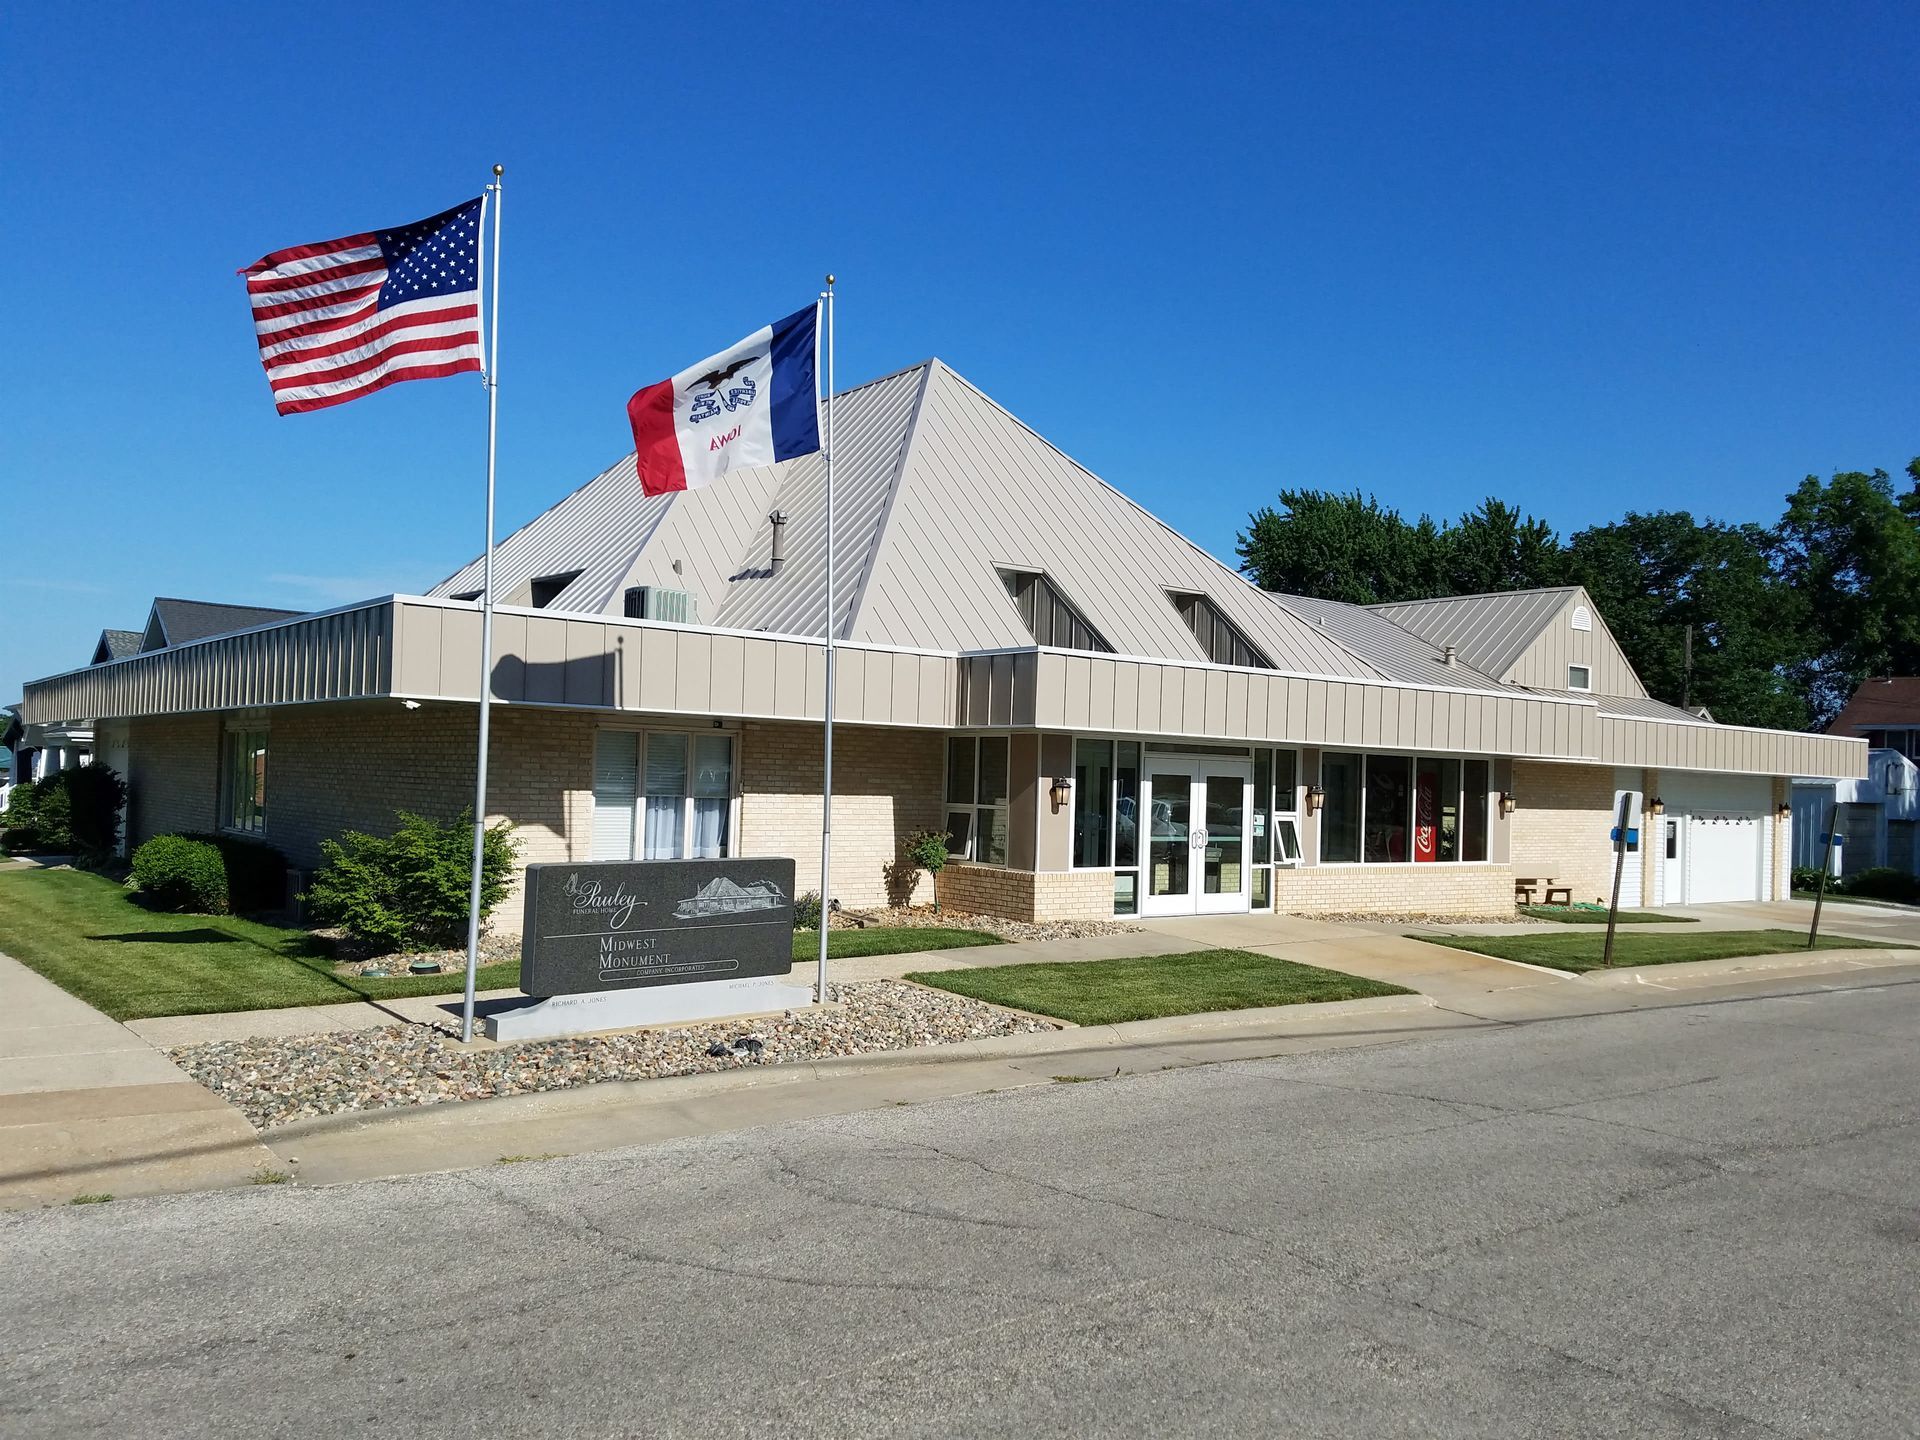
1197 844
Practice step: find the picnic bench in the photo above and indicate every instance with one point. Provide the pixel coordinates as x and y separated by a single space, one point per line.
1553 894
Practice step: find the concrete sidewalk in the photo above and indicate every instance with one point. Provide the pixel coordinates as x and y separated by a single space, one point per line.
86 1105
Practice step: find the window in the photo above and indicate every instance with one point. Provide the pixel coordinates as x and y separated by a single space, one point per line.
1218 637
1092 802
1047 615
544 591
243 802
662 795
977 798
1579 677
1393 809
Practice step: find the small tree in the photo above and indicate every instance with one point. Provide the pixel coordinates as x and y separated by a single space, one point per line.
96 797
927 850
409 890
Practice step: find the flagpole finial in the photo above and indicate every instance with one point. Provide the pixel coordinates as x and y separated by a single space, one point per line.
829 282
498 171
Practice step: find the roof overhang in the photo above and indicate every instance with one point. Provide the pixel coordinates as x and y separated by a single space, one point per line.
418 648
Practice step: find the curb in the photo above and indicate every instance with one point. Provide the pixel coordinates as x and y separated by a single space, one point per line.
667 1089
1811 960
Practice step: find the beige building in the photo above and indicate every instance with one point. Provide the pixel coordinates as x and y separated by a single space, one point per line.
1102 718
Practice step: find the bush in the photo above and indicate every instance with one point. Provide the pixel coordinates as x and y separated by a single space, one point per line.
175 872
1807 877
409 890
20 824
256 872
806 911
96 798
927 850
1882 883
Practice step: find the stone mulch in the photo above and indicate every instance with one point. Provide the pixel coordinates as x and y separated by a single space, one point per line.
922 917
273 1081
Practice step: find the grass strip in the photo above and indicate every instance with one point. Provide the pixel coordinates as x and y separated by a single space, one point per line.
1144 987
89 936
1581 952
1576 916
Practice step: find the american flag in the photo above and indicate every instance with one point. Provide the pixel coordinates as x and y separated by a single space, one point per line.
344 318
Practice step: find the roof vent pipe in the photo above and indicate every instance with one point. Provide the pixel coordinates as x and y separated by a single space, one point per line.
779 521
1446 655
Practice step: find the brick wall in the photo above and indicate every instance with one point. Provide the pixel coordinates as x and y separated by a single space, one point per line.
1027 894
1435 889
172 774
1560 826
886 785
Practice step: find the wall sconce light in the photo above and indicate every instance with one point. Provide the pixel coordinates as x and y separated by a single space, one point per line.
1316 797
1507 803
1783 811
1061 792
1657 805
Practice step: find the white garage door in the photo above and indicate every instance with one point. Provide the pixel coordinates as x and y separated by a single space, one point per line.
1719 846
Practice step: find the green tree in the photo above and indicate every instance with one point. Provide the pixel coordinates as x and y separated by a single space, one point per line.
1497 548
1341 547
1652 575
1851 550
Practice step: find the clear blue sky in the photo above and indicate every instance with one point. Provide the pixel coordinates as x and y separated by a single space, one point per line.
1588 258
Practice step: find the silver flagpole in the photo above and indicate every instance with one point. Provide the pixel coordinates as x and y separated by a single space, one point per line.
486 627
826 786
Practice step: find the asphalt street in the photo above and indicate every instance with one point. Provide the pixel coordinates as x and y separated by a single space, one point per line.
1681 1222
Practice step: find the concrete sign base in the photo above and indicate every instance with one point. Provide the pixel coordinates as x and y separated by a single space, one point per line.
659 1005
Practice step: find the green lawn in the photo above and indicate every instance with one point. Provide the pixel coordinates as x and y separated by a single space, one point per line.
90 937
1582 952
1105 992
1834 897
1579 915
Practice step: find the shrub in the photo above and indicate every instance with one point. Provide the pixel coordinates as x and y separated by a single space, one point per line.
806 911
1807 877
927 849
1882 883
96 798
20 824
409 890
175 872
256 872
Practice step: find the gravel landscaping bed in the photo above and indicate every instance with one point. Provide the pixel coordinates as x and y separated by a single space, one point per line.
924 917
276 1080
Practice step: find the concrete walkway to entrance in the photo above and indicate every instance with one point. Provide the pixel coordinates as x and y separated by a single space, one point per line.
87 1106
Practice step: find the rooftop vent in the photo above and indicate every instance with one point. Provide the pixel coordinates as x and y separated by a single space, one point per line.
651 602
1446 655
778 519
544 591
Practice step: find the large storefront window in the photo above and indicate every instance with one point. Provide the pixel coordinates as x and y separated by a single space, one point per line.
662 795
243 800
1400 809
977 798
1340 810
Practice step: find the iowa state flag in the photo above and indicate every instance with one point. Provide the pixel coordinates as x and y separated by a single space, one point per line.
749 405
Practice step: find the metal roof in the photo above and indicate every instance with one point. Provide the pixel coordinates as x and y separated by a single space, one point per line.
935 489
1489 632
1396 652
1639 708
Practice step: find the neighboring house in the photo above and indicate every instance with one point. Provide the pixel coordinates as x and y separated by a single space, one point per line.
1104 718
1880 815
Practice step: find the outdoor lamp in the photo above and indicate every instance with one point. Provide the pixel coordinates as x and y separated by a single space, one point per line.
1657 805
1783 811
1316 797
1062 788
1507 803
